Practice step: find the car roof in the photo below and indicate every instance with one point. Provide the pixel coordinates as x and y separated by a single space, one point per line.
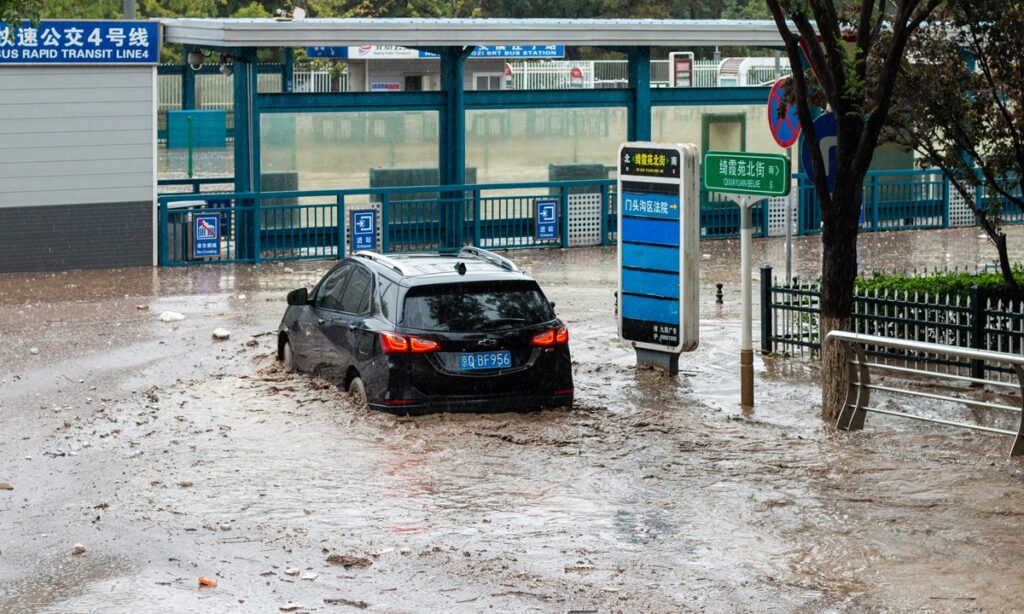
422 269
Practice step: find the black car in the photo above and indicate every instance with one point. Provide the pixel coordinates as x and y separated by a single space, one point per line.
413 334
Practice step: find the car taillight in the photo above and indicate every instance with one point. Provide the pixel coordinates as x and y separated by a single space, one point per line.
558 335
394 343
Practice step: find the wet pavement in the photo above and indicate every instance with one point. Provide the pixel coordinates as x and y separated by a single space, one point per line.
171 456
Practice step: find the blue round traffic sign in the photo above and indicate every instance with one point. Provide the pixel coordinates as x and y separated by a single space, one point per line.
825 130
785 128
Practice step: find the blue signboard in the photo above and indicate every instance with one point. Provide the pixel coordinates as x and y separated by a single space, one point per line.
658 247
207 236
364 230
81 42
546 218
377 52
826 132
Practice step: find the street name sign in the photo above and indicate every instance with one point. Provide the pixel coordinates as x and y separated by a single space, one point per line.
659 250
746 173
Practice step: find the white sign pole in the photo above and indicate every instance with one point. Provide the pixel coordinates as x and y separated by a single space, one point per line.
747 316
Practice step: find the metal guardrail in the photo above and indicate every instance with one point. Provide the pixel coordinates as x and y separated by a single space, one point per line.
858 395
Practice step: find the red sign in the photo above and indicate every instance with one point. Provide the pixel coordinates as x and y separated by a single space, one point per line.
784 124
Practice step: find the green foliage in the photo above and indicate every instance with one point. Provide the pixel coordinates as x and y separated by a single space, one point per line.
14 11
953 283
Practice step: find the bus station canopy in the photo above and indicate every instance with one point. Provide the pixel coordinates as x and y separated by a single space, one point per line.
237 33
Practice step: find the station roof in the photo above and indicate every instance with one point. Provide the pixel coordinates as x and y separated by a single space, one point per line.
460 32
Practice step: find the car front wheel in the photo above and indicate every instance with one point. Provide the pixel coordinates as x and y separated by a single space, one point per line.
287 357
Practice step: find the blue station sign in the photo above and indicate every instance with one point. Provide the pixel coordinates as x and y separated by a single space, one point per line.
380 52
81 42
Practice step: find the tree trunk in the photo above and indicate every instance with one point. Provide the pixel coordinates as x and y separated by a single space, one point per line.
838 273
1013 290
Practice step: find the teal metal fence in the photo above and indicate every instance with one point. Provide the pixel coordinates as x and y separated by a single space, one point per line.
312 224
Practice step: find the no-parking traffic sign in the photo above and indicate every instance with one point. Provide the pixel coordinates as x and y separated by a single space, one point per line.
785 128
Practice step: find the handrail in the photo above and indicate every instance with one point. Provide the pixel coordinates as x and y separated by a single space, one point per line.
858 393
470 187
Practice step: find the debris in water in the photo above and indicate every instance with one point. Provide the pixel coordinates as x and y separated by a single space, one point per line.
310 576
77 549
5 486
171 316
290 607
221 334
207 582
291 571
362 605
142 307
185 484
348 561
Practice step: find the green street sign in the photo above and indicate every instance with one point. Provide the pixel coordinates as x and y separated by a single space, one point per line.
746 173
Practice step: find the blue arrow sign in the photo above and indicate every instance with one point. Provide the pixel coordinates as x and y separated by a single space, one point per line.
364 230
826 131
546 219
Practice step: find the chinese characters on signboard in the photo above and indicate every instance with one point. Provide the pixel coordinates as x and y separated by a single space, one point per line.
80 42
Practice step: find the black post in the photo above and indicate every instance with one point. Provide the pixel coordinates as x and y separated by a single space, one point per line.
977 304
766 309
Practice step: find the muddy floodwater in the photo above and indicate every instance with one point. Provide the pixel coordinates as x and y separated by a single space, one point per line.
171 456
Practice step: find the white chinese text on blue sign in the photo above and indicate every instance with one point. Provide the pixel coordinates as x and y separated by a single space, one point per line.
81 42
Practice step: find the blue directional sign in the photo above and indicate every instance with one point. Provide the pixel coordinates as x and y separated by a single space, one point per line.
826 131
81 42
364 230
206 235
657 246
546 219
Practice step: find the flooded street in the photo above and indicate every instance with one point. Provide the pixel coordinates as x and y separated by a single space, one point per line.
171 456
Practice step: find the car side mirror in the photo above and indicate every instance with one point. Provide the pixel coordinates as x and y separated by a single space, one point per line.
552 303
298 297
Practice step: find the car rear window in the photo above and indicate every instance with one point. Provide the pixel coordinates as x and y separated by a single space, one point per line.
467 307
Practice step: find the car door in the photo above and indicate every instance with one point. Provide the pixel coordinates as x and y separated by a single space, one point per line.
340 327
327 303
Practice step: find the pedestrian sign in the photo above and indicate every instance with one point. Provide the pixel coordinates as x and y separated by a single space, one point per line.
206 236
658 250
746 173
364 230
546 219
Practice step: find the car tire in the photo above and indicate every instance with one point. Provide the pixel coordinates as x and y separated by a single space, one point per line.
357 393
287 357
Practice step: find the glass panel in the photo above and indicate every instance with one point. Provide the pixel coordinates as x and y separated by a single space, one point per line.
519 145
684 125
336 150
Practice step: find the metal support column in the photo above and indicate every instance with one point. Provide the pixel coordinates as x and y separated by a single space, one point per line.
188 82
246 223
288 71
452 143
639 74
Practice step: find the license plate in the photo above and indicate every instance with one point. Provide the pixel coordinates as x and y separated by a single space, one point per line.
472 361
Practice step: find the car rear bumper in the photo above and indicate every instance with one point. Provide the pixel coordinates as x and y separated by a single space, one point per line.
496 403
